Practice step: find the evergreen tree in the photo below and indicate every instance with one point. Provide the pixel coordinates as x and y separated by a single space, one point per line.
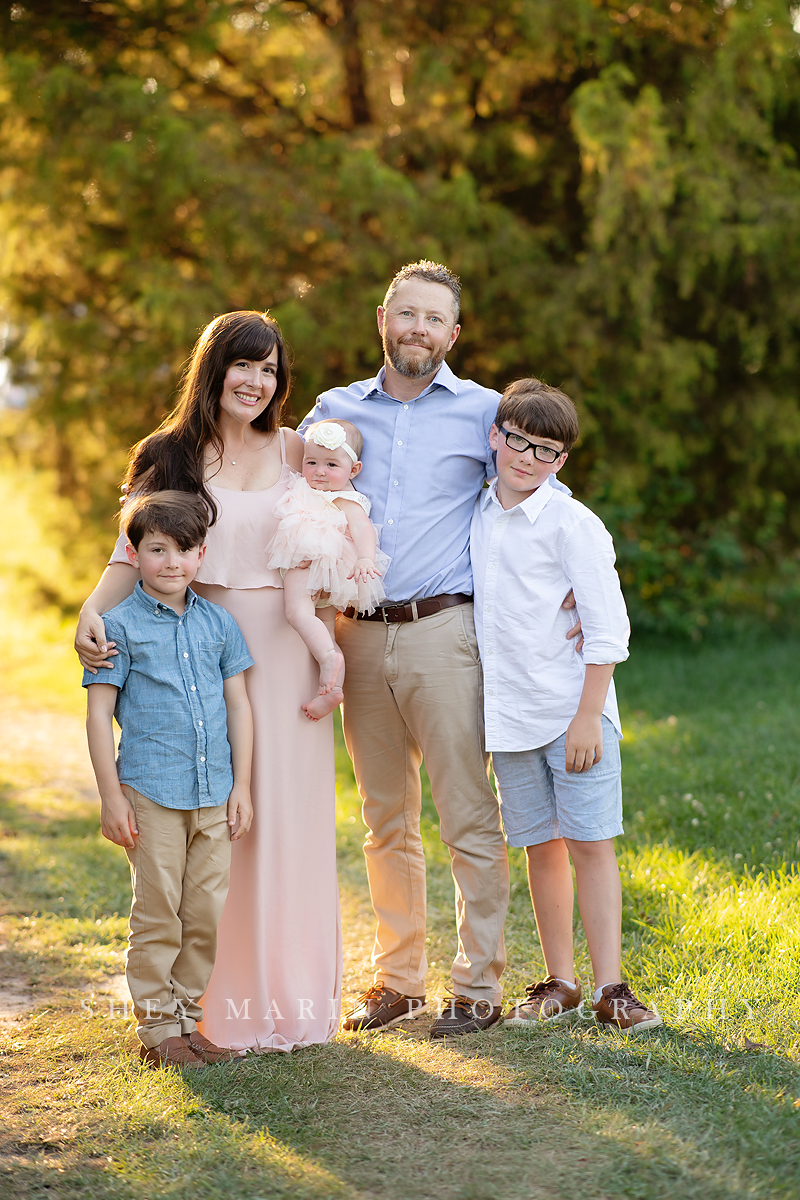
617 185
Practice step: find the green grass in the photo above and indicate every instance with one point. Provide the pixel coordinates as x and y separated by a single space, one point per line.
707 1107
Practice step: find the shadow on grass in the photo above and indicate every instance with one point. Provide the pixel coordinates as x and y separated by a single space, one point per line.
669 1115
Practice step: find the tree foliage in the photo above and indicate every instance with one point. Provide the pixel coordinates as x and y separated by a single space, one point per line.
617 185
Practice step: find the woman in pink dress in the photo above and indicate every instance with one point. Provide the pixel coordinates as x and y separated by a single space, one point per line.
277 980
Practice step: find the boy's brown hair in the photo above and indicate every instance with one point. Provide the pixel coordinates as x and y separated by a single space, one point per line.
179 515
540 410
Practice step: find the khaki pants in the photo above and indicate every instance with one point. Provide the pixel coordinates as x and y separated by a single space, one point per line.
180 868
413 690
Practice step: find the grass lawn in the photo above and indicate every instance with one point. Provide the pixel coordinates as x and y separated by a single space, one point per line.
707 1107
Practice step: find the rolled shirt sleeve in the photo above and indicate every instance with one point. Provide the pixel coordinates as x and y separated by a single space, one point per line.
588 558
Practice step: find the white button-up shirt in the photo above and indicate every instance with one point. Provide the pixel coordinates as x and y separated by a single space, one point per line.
525 560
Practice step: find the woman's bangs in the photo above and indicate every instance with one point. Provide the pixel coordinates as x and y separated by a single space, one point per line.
254 342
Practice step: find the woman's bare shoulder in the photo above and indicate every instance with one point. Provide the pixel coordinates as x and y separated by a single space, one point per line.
294 448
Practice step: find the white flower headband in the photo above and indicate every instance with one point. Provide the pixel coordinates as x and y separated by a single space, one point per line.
330 436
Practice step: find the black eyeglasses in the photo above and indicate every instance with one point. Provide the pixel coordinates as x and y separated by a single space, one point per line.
516 441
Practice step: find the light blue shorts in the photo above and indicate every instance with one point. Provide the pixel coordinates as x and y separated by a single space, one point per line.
539 801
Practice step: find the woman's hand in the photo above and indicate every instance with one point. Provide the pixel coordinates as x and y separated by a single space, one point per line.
115 585
90 642
363 570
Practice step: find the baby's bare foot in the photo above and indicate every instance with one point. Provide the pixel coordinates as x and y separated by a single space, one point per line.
320 706
329 670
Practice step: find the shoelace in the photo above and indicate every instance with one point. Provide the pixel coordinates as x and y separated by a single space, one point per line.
621 991
373 993
543 987
457 1003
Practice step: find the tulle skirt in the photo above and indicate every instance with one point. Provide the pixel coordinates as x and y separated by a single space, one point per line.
314 531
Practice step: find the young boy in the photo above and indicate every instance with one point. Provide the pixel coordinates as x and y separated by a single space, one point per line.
551 715
179 792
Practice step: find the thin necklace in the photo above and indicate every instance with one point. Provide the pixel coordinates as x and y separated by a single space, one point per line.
233 460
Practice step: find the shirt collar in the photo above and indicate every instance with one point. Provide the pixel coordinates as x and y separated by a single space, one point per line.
154 605
444 377
532 506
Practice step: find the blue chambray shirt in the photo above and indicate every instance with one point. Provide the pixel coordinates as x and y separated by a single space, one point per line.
170 707
425 461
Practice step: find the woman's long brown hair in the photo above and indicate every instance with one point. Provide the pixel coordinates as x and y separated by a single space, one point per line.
173 457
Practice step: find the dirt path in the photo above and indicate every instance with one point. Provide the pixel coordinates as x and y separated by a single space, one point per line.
41 751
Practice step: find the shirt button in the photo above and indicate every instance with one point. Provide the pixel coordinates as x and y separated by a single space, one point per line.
202 758
405 406
399 443
194 689
390 521
185 655
396 482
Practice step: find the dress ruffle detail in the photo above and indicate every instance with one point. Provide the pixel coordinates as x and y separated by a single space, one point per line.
313 529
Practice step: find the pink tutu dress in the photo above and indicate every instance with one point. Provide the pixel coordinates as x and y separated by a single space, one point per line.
311 527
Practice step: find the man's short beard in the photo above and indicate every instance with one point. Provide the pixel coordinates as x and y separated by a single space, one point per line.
411 368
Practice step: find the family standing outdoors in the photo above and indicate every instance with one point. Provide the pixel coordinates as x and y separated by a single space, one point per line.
241 542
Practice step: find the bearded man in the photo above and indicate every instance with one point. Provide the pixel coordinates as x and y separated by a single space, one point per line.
412 686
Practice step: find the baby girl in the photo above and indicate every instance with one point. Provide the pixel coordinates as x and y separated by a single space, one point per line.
326 549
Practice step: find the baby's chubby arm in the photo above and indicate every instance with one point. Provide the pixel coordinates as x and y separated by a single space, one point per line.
362 532
240 736
117 818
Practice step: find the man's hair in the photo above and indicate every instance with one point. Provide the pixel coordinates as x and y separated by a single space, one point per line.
540 410
354 436
432 272
179 515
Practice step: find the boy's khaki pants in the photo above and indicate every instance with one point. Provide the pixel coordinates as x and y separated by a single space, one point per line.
180 869
414 690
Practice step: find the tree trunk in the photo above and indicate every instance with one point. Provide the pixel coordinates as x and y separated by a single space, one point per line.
354 65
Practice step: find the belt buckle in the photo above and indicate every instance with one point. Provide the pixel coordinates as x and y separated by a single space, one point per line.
385 608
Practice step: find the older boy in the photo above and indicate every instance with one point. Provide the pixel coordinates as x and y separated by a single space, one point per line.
551 716
180 790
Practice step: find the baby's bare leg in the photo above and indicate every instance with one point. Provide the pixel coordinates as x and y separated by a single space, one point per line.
326 702
302 616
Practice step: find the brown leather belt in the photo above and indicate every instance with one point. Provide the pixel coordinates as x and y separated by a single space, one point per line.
411 610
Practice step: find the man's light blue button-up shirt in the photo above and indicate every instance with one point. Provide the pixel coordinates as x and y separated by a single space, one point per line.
170 707
425 461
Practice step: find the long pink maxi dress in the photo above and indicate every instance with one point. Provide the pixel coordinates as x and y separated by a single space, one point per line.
277 980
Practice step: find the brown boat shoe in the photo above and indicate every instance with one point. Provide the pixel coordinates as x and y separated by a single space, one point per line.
172 1052
381 1007
548 1000
464 1015
620 1009
205 1050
